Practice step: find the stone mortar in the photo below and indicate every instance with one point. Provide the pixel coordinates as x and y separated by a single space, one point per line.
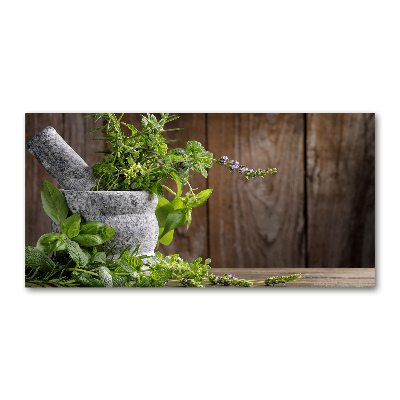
132 214
61 161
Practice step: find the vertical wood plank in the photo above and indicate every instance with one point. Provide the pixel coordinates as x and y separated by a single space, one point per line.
191 243
72 127
341 190
260 222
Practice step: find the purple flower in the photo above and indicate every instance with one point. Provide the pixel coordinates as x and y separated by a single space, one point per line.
225 158
165 283
234 165
186 280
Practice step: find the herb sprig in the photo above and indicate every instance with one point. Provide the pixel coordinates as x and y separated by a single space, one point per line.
140 160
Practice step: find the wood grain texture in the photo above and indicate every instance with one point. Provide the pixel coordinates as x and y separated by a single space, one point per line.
191 243
311 278
257 223
341 190
72 127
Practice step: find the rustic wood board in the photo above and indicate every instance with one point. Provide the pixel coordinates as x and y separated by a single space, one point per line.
341 190
311 277
258 222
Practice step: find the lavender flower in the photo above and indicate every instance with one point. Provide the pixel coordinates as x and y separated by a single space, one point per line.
233 166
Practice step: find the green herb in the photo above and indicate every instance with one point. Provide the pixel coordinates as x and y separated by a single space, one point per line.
140 160
54 203
281 279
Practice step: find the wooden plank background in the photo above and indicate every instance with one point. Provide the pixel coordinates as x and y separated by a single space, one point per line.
317 211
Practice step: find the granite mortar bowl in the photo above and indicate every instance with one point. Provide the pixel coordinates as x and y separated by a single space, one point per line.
132 214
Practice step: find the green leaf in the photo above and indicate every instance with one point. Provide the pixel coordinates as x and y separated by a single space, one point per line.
86 280
200 198
175 219
54 203
34 258
127 268
99 257
167 238
93 234
177 203
164 207
157 189
80 256
71 226
87 240
188 217
105 277
50 242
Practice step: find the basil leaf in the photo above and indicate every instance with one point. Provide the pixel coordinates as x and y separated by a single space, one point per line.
175 219
94 233
200 198
177 203
71 226
54 203
88 240
50 242
167 238
164 207
80 256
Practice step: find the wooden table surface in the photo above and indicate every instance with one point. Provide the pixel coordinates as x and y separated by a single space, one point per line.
311 277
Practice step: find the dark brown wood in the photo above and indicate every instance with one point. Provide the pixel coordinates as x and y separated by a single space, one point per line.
311 277
341 190
258 222
72 127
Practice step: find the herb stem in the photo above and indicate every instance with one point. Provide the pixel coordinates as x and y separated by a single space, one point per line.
171 191
82 270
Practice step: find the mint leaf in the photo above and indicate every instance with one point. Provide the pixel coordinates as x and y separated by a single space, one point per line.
54 203
80 256
105 277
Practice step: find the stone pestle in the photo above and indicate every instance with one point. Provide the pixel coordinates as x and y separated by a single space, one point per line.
61 161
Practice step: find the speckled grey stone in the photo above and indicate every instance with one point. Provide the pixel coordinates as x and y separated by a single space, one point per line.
61 161
132 214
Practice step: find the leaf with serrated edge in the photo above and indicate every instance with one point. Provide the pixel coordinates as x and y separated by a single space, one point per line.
77 254
105 277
